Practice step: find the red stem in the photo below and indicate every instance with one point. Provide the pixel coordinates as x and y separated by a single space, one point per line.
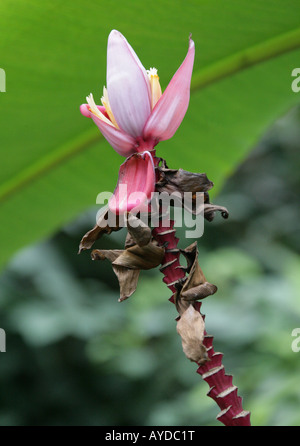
221 389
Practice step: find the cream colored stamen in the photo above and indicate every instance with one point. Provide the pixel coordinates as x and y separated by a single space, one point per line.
154 86
106 104
94 109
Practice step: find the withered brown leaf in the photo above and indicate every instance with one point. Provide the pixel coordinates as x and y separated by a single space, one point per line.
128 278
191 328
196 286
179 180
141 257
138 230
211 209
97 231
127 263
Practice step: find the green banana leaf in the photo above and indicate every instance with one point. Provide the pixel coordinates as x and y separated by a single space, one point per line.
54 162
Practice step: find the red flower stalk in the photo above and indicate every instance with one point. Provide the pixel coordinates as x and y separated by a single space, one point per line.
221 390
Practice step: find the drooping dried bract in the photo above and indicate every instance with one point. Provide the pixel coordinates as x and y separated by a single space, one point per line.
97 231
141 257
180 181
138 230
128 278
196 286
191 325
128 262
191 329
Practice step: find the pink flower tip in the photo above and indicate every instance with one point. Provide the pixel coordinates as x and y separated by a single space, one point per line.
84 110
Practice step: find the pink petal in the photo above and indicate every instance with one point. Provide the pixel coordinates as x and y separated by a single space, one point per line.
135 185
128 85
85 111
123 144
169 111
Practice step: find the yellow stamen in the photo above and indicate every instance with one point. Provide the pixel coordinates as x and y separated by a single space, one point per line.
155 86
94 109
105 103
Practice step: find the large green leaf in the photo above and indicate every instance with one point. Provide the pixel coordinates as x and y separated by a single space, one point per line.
54 162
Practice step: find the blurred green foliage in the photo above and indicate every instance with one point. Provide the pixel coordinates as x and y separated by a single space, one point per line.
75 356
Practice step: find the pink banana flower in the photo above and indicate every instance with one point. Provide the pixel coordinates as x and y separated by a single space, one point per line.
135 115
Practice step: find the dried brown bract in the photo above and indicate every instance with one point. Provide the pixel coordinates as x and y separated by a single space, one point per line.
98 230
191 329
196 286
128 278
191 325
128 262
139 232
180 181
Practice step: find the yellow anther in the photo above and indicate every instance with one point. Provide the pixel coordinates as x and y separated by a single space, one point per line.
155 86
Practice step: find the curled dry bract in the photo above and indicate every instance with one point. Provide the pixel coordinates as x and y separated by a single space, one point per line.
128 262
